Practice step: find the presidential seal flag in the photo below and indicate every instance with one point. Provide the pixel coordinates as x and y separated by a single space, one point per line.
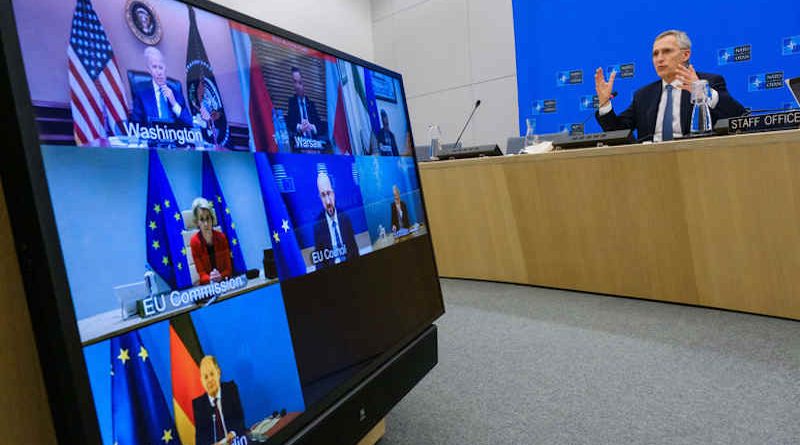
96 95
205 100
140 414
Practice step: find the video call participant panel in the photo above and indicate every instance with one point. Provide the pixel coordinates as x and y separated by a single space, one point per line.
226 371
375 111
323 200
127 79
147 233
390 190
292 91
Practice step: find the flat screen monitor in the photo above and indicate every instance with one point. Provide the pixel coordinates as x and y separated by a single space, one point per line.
220 224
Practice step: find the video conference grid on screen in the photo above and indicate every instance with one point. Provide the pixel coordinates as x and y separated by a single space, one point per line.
204 163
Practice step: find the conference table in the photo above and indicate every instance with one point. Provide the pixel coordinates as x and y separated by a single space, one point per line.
706 221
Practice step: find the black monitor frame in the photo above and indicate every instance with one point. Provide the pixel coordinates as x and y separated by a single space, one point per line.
44 274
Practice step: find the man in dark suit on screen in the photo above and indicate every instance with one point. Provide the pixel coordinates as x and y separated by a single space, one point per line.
218 414
334 240
668 100
387 144
302 120
157 101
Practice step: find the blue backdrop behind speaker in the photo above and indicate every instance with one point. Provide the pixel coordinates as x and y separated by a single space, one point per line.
754 44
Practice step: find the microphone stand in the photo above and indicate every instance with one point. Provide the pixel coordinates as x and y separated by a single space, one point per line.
458 139
214 425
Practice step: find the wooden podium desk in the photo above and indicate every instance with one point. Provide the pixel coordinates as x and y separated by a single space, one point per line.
712 221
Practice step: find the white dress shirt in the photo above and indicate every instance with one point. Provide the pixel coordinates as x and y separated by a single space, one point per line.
175 108
218 401
333 233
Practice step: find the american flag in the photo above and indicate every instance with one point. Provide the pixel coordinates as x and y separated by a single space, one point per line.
96 93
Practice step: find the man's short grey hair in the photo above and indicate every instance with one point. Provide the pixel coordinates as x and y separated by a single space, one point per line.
152 51
680 36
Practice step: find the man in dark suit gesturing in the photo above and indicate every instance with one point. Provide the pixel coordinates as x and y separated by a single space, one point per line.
663 109
218 414
334 240
156 101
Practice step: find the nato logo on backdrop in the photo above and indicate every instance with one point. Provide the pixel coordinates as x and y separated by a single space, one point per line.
569 77
734 54
624 70
765 81
590 102
573 129
791 45
543 106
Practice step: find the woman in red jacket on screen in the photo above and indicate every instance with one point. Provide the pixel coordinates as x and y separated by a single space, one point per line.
210 249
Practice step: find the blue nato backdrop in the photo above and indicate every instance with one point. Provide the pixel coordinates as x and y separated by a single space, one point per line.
754 44
100 194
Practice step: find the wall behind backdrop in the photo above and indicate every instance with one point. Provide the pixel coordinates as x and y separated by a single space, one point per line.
754 44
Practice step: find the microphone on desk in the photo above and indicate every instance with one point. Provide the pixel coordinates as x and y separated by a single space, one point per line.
458 139
749 111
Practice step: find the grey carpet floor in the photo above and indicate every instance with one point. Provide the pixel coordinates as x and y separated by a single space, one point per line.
525 365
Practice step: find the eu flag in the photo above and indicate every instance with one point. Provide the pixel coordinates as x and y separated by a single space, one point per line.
140 414
213 192
288 258
165 250
372 103
205 100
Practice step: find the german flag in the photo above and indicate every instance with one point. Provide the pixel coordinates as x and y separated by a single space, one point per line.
185 356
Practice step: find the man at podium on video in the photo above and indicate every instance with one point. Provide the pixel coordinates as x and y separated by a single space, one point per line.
157 101
662 110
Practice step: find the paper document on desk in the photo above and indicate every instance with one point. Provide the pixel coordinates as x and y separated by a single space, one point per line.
259 430
539 147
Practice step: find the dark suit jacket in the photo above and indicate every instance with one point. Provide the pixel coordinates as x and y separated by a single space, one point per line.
145 108
395 215
231 412
386 138
293 117
641 115
322 237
